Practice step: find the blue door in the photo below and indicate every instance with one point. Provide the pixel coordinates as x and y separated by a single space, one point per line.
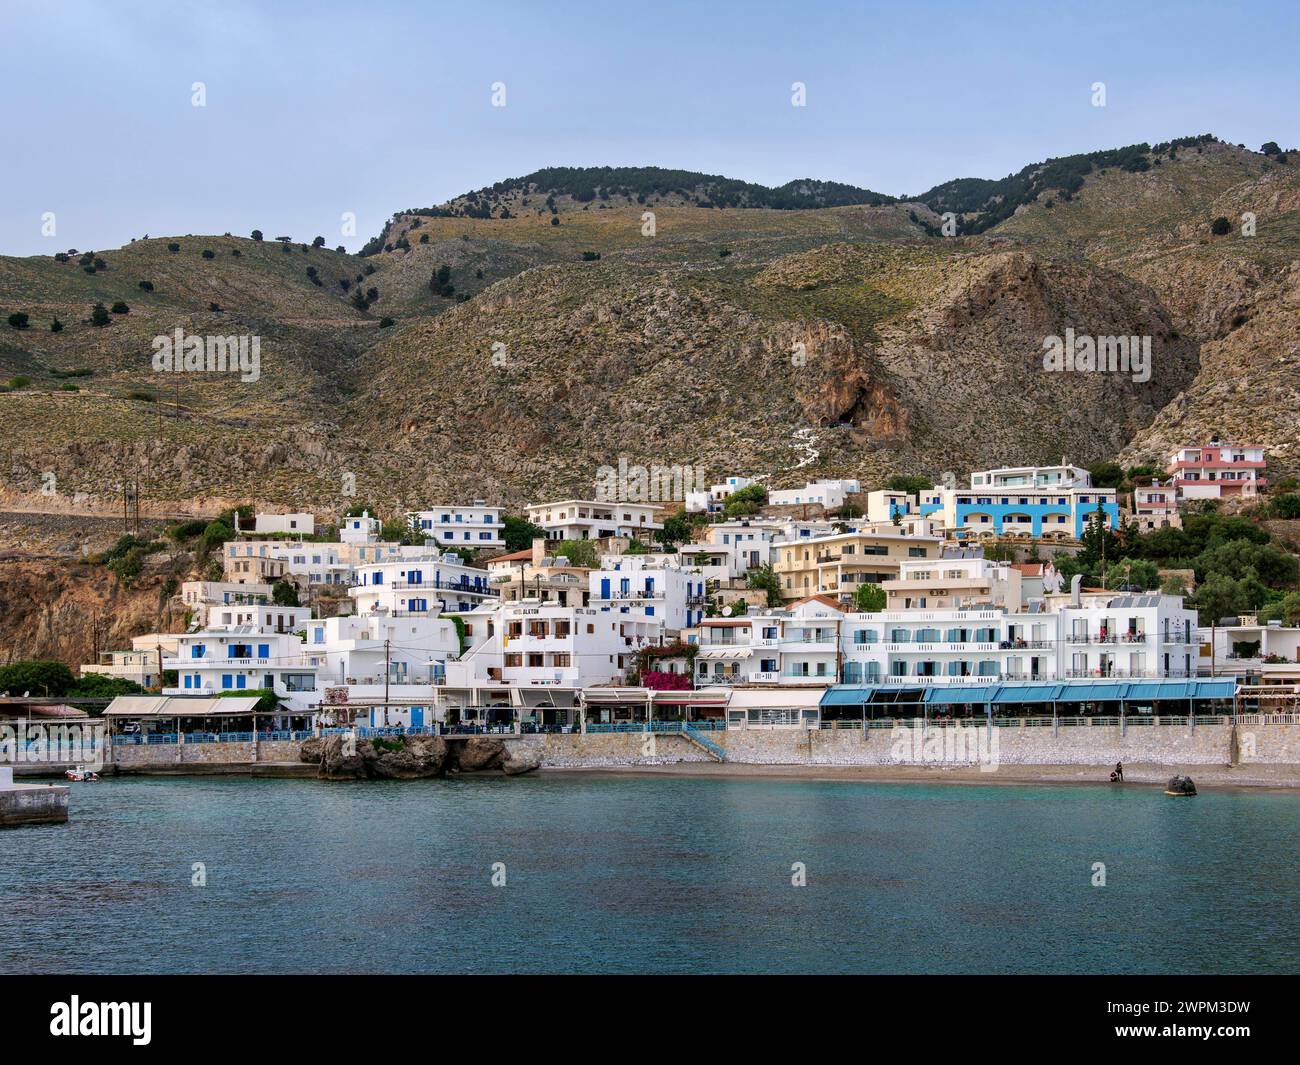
604 587
417 716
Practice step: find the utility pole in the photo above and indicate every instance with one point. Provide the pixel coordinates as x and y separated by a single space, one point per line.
387 673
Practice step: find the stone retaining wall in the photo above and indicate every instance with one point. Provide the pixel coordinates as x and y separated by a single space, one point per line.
1070 745
142 756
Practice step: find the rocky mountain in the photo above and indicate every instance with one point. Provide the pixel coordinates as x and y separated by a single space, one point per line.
510 342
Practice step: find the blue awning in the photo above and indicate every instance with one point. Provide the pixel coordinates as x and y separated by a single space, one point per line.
846 696
951 694
1152 690
1099 692
1027 693
1215 689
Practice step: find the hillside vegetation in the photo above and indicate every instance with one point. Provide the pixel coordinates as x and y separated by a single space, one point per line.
509 342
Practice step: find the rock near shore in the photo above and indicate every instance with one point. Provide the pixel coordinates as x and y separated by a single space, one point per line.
341 757
476 753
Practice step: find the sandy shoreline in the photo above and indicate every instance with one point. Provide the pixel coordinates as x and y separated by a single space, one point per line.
1282 778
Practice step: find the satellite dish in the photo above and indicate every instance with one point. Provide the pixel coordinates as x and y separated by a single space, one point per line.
726 611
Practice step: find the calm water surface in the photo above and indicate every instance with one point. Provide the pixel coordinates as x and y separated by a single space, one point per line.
637 874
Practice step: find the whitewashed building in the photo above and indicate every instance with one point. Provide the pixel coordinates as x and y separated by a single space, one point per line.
432 583
585 519
297 524
632 584
476 526
831 493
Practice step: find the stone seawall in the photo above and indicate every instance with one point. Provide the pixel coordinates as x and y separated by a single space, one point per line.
149 756
1209 744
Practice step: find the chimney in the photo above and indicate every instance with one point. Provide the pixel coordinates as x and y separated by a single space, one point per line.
1075 583
539 550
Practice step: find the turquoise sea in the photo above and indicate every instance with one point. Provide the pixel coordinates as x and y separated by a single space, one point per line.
607 873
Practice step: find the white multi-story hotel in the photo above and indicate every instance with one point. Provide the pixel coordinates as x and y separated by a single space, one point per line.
633 584
798 646
737 546
530 644
242 657
1051 502
474 526
433 583
584 519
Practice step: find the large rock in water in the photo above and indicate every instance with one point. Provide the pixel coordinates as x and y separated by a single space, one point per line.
519 761
420 756
342 757
1180 786
401 758
479 752
312 750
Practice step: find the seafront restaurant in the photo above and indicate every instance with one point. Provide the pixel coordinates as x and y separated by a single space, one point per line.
1044 702
163 719
635 709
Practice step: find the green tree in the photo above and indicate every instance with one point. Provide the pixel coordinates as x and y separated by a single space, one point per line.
99 315
676 530
1222 597
869 598
578 552
1131 572
747 500
257 234
909 483
1238 558
37 676
1285 610
764 578
1106 475
284 594
1099 542
1220 226
18 320
519 533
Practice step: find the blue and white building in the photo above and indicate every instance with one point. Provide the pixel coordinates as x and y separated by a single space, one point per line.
1034 502
473 526
636 584
432 583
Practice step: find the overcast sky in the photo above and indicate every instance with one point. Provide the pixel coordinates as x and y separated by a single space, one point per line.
314 109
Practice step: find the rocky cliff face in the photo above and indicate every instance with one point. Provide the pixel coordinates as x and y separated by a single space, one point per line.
847 340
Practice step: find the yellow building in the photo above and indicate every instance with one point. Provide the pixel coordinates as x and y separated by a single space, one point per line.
838 563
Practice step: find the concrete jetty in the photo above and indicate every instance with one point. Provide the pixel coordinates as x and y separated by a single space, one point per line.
31 804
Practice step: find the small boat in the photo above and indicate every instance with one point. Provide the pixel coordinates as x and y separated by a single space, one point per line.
81 773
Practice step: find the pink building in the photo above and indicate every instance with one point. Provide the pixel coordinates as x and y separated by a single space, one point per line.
1218 471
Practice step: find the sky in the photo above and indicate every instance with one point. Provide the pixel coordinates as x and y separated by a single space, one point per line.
315 109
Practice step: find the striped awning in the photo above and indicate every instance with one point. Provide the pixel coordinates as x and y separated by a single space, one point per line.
725 654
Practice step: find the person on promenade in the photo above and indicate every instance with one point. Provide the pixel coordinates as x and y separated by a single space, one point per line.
1119 771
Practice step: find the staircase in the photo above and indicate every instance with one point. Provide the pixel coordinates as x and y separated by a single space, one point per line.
703 741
